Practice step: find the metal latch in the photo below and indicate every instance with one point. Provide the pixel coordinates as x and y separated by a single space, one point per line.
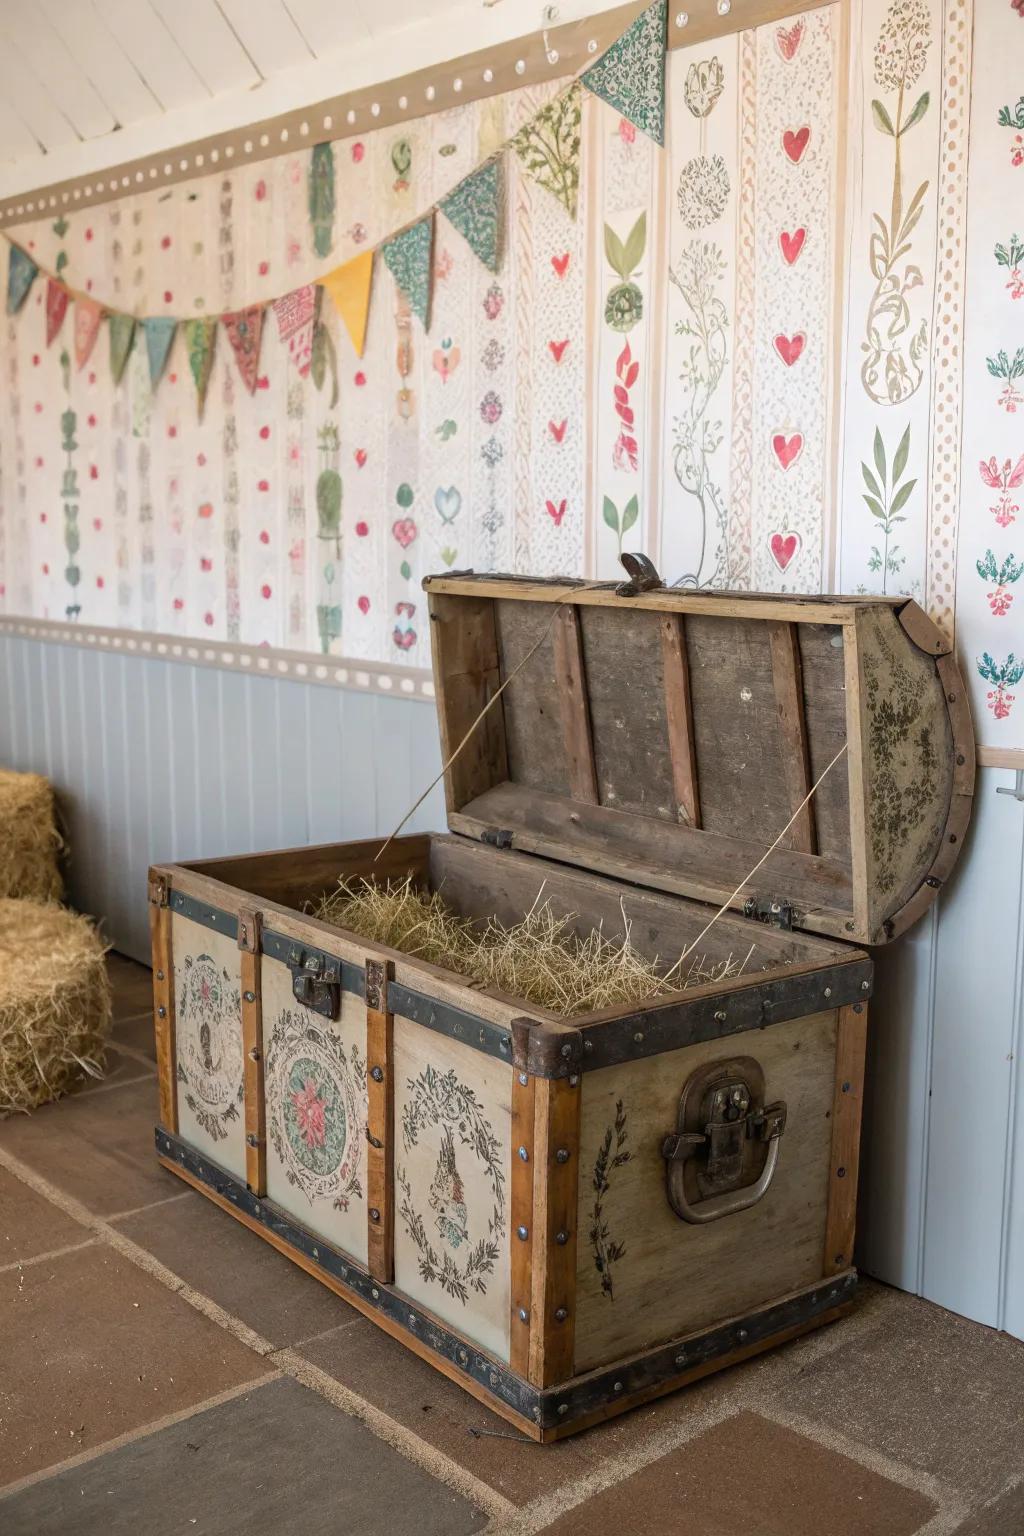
316 981
770 910
497 837
723 1154
643 575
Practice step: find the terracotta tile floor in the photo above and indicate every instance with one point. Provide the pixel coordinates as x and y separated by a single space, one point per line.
163 1371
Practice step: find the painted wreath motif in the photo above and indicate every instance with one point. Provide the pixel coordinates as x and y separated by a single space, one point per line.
209 1007
316 1102
440 1099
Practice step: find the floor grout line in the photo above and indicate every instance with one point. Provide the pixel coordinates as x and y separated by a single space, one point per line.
150 1205
123 1082
132 1435
441 1467
131 1051
42 1258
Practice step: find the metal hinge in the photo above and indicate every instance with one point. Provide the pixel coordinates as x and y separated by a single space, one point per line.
770 910
159 890
497 837
316 981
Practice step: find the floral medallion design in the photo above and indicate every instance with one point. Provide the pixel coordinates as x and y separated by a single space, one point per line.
611 1154
316 1097
458 1247
209 1040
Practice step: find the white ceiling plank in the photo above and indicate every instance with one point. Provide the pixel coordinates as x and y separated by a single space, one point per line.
105 62
209 43
62 74
31 99
268 34
326 25
16 141
154 52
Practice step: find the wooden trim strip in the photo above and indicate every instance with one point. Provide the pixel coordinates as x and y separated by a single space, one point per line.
521 1242
571 678
380 1122
847 1105
160 920
719 605
254 1098
556 1140
679 717
787 675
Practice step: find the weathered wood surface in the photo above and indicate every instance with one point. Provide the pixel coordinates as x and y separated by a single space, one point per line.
250 970
293 876
380 1132
847 1109
533 721
675 663
556 1179
464 650
163 1012
574 707
667 1277
787 675
628 712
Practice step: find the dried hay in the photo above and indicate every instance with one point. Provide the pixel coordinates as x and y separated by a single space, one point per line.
54 1003
540 959
29 839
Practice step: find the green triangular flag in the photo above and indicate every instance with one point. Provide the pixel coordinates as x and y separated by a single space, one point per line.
159 333
21 271
407 257
200 336
630 76
122 334
549 147
474 207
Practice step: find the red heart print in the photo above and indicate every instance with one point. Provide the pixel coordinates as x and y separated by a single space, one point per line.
363 604
561 263
404 531
792 244
556 348
789 348
788 39
360 457
795 143
787 449
783 547
556 513
557 429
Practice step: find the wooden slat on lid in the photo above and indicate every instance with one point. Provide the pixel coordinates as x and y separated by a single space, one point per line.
572 698
679 712
789 696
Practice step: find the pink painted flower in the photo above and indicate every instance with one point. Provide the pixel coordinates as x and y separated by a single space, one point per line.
358 151
1017 149
310 1114
1000 601
494 302
403 638
260 191
491 408
627 131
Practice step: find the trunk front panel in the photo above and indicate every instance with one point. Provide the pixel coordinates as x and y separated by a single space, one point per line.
208 1039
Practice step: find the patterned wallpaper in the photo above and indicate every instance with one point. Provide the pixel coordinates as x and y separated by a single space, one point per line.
785 352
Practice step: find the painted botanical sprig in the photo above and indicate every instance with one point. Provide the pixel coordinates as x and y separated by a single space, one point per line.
886 497
894 348
1003 575
1004 478
625 454
624 306
1010 369
620 522
1011 256
611 1154
1003 675
698 276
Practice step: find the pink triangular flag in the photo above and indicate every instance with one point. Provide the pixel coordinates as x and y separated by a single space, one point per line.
56 308
243 328
88 315
296 318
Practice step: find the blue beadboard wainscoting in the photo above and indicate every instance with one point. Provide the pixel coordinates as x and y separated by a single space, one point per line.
159 760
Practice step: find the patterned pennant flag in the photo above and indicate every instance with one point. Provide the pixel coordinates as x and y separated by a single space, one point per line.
349 288
200 337
21 271
244 328
475 209
88 315
631 76
122 334
321 197
56 308
159 334
408 256
548 147
296 317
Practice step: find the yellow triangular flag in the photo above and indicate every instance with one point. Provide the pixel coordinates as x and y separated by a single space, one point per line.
349 288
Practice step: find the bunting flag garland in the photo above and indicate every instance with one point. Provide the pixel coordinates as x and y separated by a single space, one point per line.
122 334
630 76
159 333
244 328
296 317
408 256
56 308
548 147
21 272
474 207
349 288
88 315
200 336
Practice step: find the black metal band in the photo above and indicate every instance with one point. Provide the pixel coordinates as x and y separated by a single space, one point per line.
446 1019
278 946
201 912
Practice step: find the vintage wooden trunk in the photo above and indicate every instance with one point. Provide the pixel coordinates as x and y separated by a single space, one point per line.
571 1217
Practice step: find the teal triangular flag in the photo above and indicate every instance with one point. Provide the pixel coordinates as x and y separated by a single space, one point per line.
630 76
21 271
475 209
407 257
159 334
122 334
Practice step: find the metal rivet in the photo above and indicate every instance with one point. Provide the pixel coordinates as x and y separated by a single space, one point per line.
680 1360
858 1007
720 1016
524 1078
638 1037
846 1087
561 1238
250 997
524 1316
463 1357
524 1156
561 1313
840 1257
374 1213
504 1043
159 975
951 697
573 1080
254 1054
682 18
828 991
588 1045
563 1407
375 1294
850 927
566 1051
377 1073
865 986
562 1155
840 1173
412 1320
162 1012
617 1387
522 1233
952 837
960 759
